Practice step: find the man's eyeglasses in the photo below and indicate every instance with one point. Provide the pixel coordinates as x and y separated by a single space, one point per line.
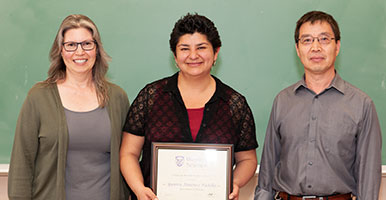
87 45
324 40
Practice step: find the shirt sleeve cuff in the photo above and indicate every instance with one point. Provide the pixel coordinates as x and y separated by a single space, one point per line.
261 194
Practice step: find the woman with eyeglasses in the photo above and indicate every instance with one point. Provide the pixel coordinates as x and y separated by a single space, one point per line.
191 106
69 129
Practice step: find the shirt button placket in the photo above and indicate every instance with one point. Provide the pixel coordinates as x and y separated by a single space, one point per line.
310 173
203 122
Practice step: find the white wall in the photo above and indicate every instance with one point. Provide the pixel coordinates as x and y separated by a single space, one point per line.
3 181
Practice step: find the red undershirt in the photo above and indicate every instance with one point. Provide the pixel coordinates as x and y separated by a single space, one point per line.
195 118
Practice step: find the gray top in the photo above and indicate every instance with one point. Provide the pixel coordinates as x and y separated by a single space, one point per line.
88 156
321 144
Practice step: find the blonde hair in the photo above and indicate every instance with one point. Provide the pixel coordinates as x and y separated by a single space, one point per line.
57 70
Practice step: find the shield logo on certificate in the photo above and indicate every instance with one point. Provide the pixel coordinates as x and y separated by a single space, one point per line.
180 160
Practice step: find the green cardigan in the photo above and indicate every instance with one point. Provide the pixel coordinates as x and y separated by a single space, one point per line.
38 160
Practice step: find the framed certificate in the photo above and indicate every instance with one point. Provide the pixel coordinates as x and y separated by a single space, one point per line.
192 171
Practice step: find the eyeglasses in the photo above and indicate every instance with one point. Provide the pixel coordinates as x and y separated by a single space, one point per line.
324 40
87 45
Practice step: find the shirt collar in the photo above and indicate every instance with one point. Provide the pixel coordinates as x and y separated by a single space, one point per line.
336 83
171 86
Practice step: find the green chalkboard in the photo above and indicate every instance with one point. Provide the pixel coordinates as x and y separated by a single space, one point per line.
258 56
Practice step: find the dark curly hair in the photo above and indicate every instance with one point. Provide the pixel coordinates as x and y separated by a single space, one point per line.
317 16
192 23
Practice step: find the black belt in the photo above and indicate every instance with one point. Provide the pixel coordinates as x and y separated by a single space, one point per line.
286 196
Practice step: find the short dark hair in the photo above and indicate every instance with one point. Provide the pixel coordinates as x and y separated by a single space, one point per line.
317 16
192 23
